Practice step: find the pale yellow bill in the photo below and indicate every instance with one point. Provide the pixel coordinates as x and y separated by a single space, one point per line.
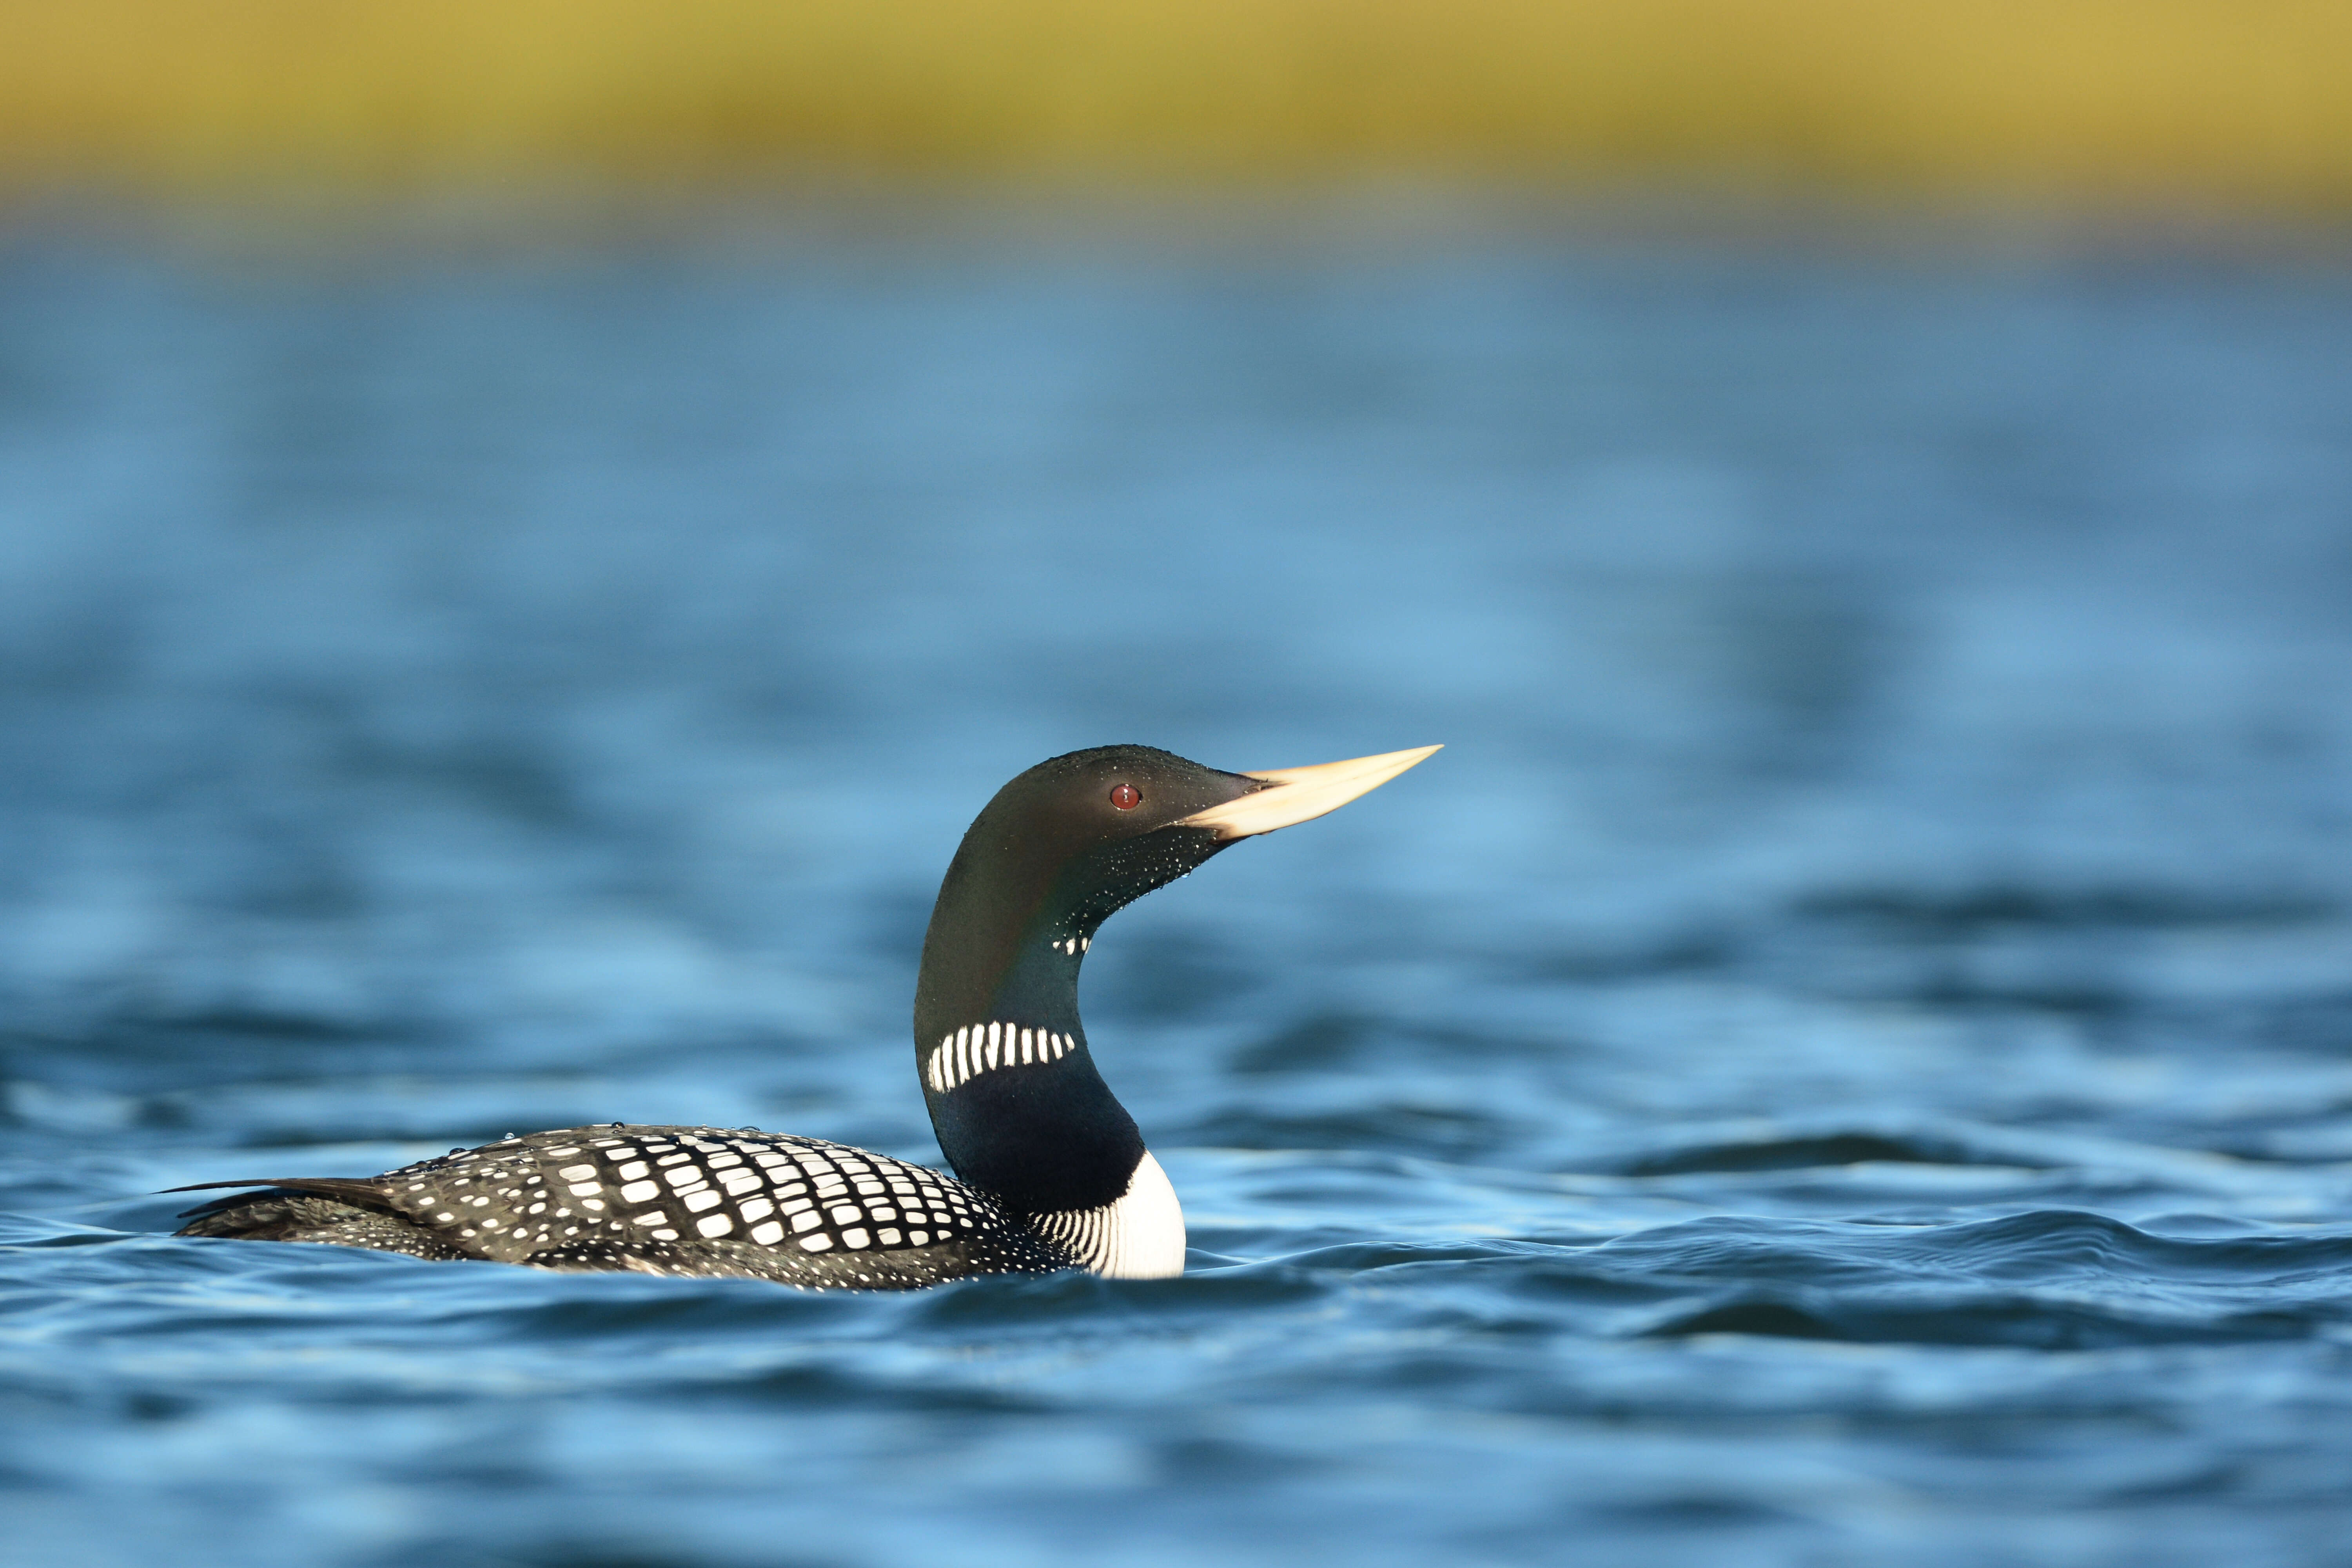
1301 795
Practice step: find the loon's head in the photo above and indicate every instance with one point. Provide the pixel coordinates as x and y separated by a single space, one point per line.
1013 1091
1070 842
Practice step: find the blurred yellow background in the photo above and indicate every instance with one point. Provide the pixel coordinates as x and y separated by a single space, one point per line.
2240 101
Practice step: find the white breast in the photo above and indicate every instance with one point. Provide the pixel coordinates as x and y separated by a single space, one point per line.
1141 1236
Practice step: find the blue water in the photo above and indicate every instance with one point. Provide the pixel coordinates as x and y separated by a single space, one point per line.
1846 1058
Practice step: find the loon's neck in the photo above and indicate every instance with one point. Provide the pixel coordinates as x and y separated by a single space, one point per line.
1014 1093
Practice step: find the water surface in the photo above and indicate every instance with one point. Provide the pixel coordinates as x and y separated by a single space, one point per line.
1845 1060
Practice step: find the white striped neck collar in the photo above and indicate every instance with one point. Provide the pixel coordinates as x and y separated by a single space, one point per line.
995 1046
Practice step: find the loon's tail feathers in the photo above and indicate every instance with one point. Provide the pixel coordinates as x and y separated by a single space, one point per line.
330 1209
363 1192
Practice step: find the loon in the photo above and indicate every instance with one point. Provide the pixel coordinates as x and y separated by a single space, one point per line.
1051 1171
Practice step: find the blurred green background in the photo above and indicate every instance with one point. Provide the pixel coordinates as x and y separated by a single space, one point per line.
2236 103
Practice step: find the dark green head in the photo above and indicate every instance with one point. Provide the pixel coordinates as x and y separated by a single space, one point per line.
1058 851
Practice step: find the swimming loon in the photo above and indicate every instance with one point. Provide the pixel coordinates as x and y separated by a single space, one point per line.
1054 1173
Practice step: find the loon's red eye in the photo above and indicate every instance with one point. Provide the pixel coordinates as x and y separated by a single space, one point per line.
1126 797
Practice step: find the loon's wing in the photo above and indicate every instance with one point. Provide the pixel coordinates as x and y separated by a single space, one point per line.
664 1200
